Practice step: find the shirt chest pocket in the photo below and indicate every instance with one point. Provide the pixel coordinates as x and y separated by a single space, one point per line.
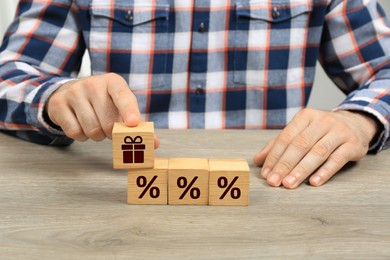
130 40
270 42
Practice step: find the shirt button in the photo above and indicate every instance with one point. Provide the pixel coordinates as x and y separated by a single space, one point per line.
275 13
199 90
129 15
202 28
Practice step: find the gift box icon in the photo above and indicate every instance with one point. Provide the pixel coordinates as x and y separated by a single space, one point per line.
133 150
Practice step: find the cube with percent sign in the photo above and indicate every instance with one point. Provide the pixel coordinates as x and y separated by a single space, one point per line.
149 186
133 147
188 181
229 182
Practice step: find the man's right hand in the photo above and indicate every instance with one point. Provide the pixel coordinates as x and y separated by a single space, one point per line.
88 108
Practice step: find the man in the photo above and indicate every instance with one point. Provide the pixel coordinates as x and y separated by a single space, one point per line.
203 64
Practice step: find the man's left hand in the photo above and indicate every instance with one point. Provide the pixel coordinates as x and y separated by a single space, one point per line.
316 143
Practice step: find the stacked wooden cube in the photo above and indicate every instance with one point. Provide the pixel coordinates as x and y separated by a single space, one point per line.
197 181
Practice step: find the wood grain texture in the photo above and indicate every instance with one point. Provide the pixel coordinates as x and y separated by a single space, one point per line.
149 186
68 203
126 142
229 182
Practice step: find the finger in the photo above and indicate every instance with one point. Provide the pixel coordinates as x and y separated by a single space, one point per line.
281 143
336 161
156 142
259 158
319 153
106 113
124 100
298 149
66 119
88 120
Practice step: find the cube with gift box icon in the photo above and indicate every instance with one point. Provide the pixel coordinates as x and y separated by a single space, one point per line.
133 147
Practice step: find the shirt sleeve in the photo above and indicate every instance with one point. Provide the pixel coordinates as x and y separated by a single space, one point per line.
355 53
41 50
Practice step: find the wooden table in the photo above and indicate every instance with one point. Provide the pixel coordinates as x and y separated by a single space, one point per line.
68 203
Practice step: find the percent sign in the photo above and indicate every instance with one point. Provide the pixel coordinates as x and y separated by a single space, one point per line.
142 182
194 192
223 183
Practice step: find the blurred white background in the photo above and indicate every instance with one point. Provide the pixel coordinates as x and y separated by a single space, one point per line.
325 94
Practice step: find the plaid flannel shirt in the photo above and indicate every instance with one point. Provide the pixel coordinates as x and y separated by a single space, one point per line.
197 64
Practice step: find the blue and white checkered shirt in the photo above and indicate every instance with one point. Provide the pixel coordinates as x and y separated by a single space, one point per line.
197 64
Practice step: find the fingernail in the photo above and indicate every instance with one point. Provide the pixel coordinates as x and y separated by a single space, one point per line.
316 180
274 179
265 172
291 180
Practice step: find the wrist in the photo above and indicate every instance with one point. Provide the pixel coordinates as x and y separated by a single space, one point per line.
48 121
369 124
45 112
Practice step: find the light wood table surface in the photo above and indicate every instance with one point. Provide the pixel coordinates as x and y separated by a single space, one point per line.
68 203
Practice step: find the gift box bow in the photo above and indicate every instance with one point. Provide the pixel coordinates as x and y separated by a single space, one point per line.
129 142
136 140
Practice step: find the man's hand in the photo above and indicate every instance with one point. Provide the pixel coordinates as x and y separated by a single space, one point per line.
315 143
88 108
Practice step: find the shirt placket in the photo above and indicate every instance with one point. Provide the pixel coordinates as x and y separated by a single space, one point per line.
198 64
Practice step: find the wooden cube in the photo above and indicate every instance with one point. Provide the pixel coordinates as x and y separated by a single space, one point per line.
149 186
133 147
188 181
229 182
